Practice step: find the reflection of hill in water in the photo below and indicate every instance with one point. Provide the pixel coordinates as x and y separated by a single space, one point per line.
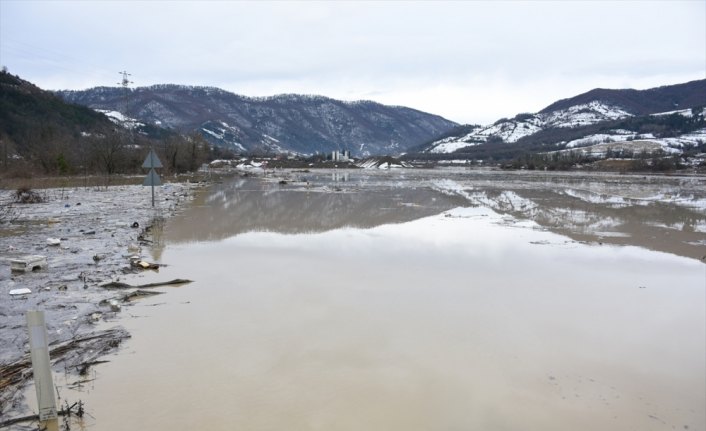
615 210
250 205
661 226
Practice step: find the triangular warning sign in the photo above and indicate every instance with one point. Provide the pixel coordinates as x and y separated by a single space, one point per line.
152 179
152 161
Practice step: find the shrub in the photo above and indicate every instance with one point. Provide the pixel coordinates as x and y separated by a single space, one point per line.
25 195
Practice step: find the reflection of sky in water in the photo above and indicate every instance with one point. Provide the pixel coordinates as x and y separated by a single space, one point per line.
466 319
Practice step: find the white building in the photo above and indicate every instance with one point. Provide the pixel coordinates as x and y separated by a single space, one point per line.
341 156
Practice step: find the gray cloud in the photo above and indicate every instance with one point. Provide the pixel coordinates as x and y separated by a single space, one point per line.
468 61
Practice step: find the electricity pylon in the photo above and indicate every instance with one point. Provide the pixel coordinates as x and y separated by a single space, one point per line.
125 84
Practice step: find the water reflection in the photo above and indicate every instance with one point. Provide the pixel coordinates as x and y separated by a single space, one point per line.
247 205
465 320
660 213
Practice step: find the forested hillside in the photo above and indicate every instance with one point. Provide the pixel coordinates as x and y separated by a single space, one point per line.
40 133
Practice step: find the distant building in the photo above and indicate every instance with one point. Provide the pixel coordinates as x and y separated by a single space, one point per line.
341 156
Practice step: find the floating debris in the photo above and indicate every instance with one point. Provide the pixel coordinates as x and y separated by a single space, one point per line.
144 264
28 263
120 285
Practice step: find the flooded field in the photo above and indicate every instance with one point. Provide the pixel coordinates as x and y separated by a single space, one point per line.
419 300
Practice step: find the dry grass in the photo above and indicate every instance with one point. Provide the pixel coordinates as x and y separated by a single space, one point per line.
614 165
67 181
57 182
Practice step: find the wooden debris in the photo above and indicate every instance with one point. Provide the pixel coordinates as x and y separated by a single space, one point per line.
175 282
63 412
76 354
139 294
121 285
83 368
79 383
116 285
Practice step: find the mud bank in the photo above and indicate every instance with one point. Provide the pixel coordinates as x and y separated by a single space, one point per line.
88 237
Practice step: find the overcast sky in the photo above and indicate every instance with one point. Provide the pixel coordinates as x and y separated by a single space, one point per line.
471 62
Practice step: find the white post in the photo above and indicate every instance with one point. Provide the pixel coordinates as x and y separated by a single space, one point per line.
39 351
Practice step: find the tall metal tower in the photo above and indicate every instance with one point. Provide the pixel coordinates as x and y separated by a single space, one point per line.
125 84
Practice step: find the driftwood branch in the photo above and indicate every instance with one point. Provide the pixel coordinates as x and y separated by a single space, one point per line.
120 285
13 421
139 294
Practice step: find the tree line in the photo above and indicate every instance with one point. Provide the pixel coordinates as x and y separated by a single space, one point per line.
40 134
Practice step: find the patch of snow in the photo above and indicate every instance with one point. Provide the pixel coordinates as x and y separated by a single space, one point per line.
394 166
220 162
454 162
635 146
270 138
115 115
225 134
690 201
598 139
513 130
693 138
505 202
683 112
376 163
120 119
366 164
596 198
250 166
451 146
611 234
450 188
582 115
238 146
212 133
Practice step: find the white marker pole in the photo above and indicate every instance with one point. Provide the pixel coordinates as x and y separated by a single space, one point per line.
39 351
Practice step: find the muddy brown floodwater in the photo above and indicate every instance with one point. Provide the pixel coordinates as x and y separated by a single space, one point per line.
420 300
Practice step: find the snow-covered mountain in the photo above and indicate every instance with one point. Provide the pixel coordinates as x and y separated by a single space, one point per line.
587 119
285 123
510 131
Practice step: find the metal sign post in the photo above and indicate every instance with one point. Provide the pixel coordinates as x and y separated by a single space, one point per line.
39 352
152 179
